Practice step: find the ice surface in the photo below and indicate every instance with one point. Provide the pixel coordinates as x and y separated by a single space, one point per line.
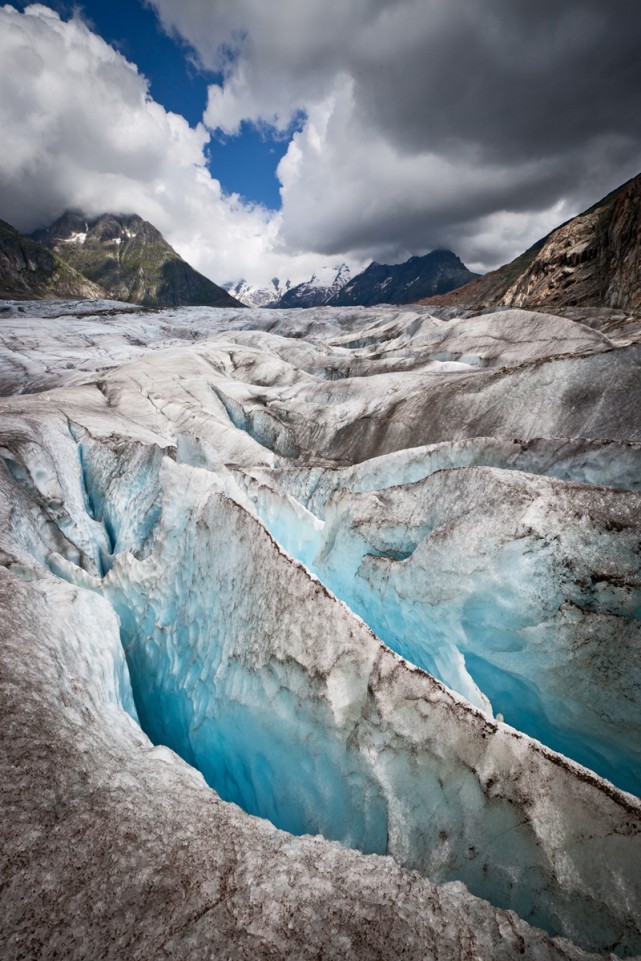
112 848
520 593
163 499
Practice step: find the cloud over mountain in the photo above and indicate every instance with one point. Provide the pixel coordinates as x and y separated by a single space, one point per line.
423 118
80 130
412 125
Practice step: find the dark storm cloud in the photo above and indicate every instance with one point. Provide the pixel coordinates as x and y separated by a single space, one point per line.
472 124
509 109
517 79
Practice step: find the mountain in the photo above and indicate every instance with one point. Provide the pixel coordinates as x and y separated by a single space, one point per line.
250 296
434 273
131 260
315 292
319 289
29 270
592 260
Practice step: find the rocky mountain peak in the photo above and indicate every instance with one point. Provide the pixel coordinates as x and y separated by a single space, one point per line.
593 260
130 259
436 272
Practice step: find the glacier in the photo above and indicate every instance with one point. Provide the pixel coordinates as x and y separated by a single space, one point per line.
374 576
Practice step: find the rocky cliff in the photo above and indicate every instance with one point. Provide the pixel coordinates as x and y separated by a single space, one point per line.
592 260
131 260
28 269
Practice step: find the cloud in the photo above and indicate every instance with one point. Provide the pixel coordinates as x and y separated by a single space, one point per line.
79 129
428 122
425 123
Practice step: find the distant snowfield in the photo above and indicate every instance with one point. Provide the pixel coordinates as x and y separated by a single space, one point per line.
370 574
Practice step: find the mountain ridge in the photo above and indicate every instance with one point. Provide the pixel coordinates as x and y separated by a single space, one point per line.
335 286
315 292
436 272
591 260
130 260
319 289
251 296
28 269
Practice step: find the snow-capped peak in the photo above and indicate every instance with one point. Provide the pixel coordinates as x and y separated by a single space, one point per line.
252 296
322 285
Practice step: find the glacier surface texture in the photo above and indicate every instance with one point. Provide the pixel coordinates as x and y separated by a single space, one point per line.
321 633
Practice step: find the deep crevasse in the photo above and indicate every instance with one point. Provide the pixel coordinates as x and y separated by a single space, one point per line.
247 667
253 673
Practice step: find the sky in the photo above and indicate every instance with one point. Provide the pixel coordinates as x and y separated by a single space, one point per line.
270 139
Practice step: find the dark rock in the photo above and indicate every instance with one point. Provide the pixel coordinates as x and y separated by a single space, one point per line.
435 273
592 260
28 270
131 261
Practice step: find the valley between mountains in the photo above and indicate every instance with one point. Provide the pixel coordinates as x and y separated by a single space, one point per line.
320 480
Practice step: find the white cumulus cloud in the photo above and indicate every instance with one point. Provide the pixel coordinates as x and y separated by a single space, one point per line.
79 129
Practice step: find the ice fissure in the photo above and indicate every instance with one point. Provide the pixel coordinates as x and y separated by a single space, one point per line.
326 641
280 717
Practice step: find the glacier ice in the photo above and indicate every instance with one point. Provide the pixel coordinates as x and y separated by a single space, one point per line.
197 501
520 593
115 848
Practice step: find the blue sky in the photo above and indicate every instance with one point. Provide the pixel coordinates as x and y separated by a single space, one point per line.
397 126
244 164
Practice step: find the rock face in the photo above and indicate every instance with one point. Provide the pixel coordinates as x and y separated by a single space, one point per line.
434 273
593 260
130 260
347 566
28 269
